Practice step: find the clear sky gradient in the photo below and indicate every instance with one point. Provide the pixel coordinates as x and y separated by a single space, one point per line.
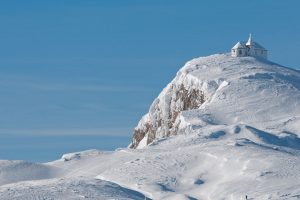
94 67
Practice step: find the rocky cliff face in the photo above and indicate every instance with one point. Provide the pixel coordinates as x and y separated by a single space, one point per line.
163 119
219 89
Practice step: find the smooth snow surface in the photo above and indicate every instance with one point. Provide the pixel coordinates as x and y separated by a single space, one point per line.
243 140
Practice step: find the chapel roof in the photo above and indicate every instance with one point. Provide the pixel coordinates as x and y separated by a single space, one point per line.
243 44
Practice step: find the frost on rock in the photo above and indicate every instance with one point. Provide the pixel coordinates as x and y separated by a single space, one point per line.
163 118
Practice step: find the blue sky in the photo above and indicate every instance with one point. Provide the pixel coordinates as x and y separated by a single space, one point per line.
94 67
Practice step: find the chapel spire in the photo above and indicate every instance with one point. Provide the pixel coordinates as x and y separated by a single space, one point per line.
249 43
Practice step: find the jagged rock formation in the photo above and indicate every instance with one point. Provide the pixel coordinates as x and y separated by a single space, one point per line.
165 122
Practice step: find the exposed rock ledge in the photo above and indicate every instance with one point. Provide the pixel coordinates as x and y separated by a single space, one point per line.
163 118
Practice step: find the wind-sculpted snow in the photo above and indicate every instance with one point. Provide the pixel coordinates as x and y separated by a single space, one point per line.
13 171
224 128
285 139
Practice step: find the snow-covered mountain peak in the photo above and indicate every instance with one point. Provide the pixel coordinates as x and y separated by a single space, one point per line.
224 90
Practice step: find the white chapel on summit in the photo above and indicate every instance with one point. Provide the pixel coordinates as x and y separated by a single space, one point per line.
249 48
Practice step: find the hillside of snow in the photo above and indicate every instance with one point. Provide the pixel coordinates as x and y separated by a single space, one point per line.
223 90
224 128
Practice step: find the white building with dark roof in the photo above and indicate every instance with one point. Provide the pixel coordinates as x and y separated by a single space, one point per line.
249 48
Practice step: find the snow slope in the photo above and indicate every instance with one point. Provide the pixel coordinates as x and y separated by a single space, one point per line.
228 91
66 178
224 128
